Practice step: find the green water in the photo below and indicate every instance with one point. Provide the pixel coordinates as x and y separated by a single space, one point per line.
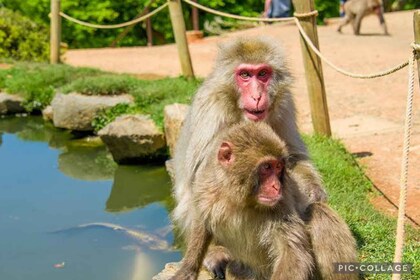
67 211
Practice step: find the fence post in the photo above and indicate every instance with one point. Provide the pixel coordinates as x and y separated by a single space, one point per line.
416 23
313 70
178 26
195 19
55 32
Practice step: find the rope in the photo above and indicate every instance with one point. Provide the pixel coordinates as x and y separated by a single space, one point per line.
399 246
215 12
342 71
112 26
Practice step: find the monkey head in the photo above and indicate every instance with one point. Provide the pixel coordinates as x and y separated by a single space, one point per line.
253 158
258 75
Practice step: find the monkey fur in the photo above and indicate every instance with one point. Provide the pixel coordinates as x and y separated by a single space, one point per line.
266 240
356 10
221 102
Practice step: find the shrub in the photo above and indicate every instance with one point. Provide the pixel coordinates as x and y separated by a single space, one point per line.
22 39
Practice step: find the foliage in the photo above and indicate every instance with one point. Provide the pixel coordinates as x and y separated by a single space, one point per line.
21 38
37 82
349 193
107 84
326 9
108 115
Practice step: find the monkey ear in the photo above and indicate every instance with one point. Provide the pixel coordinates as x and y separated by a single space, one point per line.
225 155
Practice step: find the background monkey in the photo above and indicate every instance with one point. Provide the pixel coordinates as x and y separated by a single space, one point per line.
245 199
250 82
356 10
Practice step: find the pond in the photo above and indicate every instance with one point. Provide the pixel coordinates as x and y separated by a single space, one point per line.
67 211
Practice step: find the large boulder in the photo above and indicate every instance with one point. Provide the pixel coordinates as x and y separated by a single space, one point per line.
10 104
172 268
133 138
174 116
76 111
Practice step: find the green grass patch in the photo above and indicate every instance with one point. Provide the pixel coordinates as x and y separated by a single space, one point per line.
38 82
349 192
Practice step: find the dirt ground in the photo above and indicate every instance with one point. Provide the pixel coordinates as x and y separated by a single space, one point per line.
368 115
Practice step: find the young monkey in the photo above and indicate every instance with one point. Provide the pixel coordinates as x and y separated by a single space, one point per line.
245 200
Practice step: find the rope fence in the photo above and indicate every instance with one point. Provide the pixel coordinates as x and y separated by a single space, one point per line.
113 26
175 8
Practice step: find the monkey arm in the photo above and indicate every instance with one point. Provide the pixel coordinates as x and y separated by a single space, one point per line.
198 241
295 261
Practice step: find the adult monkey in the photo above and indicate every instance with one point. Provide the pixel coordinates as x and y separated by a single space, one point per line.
250 82
356 10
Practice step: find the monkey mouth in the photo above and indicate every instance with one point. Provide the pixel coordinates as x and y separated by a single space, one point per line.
255 115
269 201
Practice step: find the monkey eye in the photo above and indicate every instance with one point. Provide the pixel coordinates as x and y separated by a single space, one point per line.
262 73
266 166
244 75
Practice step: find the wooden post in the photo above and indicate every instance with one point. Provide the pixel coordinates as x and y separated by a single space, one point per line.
313 69
178 26
55 32
195 20
149 31
416 23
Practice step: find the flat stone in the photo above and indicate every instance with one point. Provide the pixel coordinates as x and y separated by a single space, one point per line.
76 111
171 268
10 104
132 138
174 116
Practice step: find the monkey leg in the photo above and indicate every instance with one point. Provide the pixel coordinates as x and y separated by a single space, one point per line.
216 260
238 271
332 241
198 240
380 13
292 245
347 18
357 22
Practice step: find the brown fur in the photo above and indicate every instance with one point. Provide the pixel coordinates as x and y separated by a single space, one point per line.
265 242
356 10
279 242
216 106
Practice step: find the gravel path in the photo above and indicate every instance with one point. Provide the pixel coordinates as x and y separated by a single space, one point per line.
368 115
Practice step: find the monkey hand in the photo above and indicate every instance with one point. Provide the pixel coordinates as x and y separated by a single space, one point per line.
216 261
318 194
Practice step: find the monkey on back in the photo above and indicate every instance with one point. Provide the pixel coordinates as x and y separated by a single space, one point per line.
245 199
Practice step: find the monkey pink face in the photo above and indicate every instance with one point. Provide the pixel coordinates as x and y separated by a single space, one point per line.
270 188
253 81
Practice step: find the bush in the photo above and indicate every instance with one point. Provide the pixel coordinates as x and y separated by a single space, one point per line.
22 39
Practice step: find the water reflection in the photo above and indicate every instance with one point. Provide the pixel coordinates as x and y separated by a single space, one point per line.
137 187
64 201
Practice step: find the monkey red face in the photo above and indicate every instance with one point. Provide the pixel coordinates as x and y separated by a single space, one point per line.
253 81
270 187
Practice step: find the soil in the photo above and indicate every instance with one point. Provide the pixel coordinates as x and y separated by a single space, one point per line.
367 115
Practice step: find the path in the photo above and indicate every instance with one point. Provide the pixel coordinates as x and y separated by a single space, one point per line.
368 115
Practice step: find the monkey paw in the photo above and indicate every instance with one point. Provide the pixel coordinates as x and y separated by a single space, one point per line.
319 194
216 261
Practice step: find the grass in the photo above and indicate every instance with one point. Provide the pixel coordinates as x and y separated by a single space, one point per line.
38 83
349 192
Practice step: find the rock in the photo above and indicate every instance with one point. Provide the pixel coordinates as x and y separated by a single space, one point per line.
174 116
76 111
171 268
47 113
10 104
133 138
